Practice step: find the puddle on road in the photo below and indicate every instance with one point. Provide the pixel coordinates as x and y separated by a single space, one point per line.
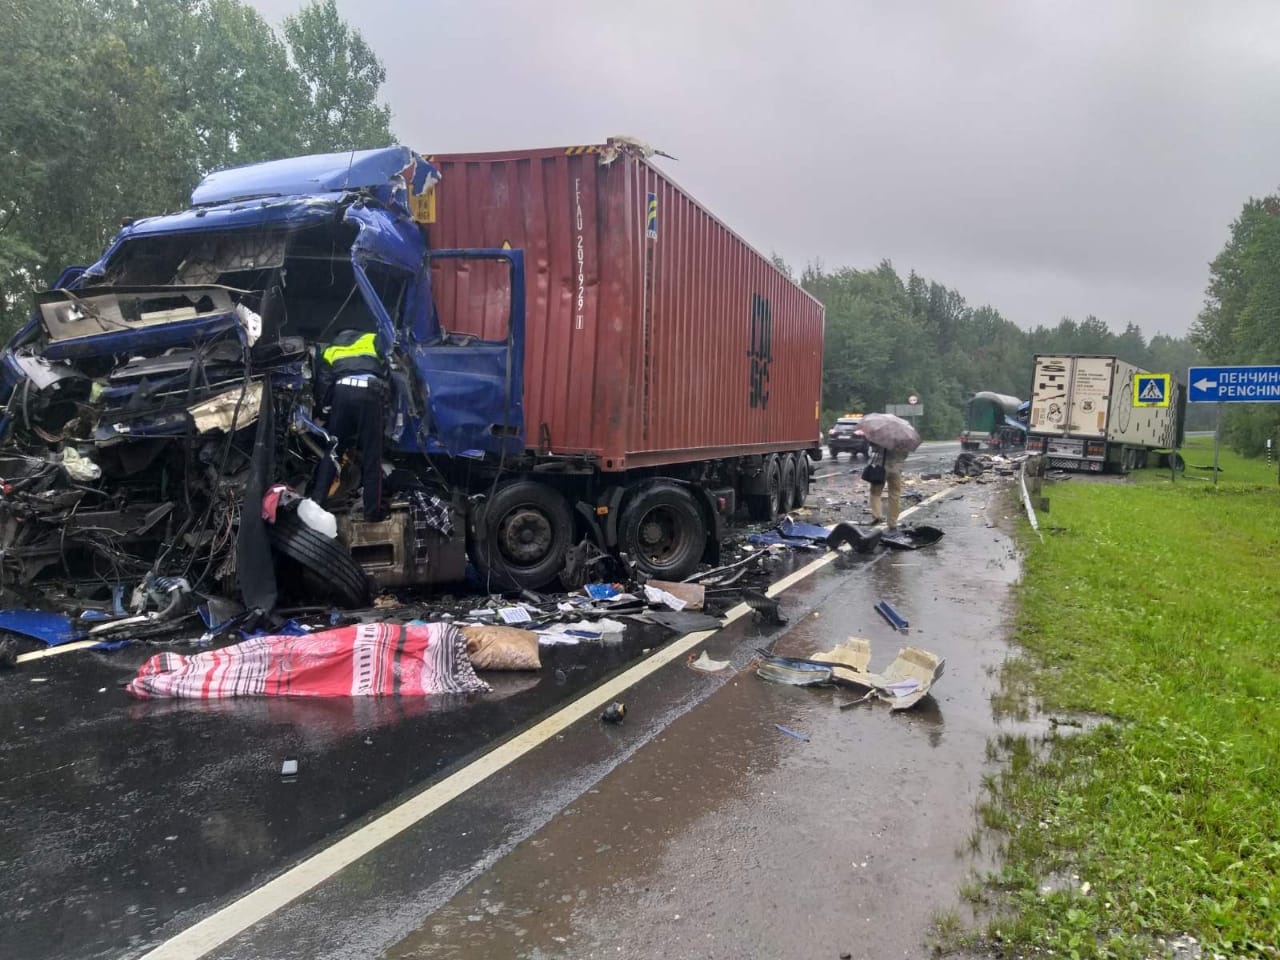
725 837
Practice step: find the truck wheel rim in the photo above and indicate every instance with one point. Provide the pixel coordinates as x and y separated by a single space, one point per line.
525 536
660 535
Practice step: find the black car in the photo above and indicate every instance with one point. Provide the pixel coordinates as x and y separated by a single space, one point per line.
844 437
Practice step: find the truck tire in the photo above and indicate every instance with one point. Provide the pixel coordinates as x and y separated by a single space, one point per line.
521 535
787 495
663 531
763 507
802 480
327 567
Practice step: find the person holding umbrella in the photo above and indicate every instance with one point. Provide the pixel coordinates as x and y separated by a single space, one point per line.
892 439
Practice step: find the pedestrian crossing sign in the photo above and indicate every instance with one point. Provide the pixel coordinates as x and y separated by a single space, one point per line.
1151 389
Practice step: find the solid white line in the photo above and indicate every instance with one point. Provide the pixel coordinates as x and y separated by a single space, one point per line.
239 915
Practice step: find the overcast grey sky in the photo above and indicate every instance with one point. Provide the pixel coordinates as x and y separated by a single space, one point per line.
1048 158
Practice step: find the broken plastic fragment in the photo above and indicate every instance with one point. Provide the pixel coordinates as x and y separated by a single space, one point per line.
79 467
791 733
706 664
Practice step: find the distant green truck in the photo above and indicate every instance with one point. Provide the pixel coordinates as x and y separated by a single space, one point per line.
992 420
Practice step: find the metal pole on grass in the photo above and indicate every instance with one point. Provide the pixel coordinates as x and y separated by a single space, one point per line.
1217 444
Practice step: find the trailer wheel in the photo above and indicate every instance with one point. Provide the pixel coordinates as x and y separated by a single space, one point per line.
664 531
327 567
787 495
520 538
802 480
763 507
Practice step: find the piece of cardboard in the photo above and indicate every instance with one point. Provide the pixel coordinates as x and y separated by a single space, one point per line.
903 684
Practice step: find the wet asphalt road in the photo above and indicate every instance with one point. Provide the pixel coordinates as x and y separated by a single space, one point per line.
121 822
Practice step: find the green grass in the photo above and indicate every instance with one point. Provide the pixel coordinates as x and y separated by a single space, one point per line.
1158 605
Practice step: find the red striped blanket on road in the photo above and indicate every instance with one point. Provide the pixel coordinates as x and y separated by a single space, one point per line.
365 660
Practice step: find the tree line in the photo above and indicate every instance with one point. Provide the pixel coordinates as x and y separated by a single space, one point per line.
888 338
1240 322
116 108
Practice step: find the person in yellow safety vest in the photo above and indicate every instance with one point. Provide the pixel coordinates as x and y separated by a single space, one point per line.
351 392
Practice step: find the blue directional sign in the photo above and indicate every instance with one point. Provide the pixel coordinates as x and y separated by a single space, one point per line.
1234 384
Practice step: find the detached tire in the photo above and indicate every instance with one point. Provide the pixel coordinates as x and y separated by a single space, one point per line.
663 531
522 536
328 569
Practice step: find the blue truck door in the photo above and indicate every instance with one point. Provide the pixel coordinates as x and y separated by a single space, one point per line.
473 370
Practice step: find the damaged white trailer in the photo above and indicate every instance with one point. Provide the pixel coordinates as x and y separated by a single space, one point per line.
1083 415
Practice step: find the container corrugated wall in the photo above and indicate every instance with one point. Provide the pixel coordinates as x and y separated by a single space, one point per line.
654 334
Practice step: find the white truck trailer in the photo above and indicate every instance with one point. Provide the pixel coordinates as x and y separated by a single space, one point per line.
1083 415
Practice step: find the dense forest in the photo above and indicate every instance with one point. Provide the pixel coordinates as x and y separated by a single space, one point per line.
888 338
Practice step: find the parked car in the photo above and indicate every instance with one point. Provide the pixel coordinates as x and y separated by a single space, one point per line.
845 437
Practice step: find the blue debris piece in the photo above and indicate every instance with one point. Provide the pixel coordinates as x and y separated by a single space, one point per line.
804 531
771 538
602 591
893 616
290 628
51 629
791 733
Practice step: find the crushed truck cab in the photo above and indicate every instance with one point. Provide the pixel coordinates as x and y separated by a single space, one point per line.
153 393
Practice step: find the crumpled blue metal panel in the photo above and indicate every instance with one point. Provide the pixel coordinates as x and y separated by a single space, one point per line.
386 238
284 213
318 173
49 628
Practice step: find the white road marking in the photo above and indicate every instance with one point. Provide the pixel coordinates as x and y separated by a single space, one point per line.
238 916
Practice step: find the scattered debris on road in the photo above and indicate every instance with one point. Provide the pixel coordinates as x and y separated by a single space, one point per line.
904 683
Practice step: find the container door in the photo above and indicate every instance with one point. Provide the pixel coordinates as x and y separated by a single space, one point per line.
471 359
1049 392
1090 396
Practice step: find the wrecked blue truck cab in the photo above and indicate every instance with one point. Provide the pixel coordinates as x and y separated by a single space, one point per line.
133 396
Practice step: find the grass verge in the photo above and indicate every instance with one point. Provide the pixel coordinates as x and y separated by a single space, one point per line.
1158 605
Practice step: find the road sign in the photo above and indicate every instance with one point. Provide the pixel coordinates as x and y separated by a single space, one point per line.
1234 384
1151 389
905 409
913 400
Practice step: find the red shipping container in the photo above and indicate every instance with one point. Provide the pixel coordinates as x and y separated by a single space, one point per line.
654 333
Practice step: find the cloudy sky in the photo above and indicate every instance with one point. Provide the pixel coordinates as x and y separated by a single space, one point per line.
1049 158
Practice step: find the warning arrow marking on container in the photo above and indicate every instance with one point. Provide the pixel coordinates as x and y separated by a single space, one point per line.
1204 383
